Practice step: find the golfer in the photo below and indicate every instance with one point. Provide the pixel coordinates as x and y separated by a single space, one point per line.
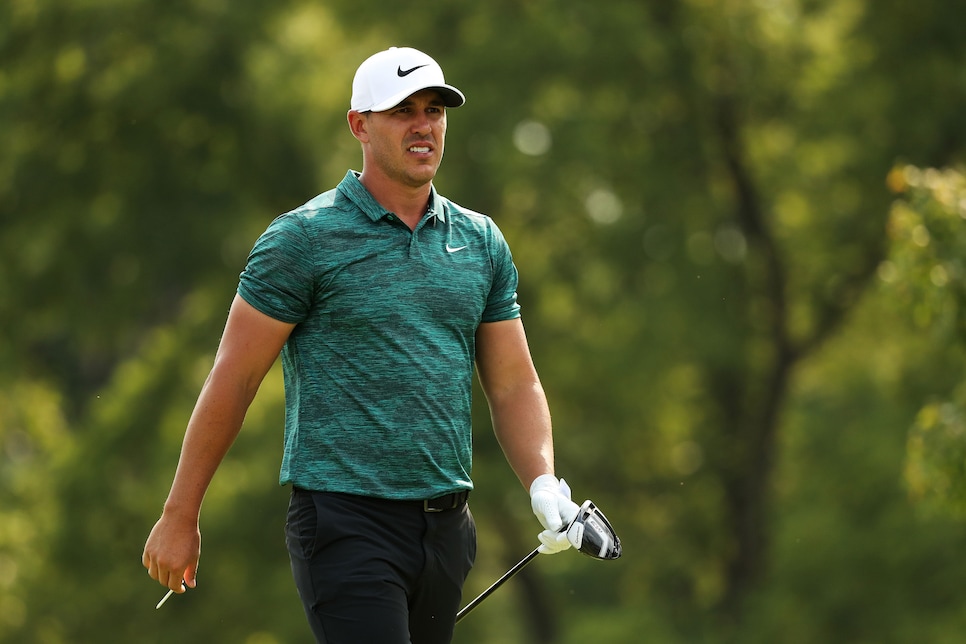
381 295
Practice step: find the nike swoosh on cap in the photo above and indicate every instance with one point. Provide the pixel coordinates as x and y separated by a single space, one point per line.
401 73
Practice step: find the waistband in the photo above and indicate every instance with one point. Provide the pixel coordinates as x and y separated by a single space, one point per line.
445 503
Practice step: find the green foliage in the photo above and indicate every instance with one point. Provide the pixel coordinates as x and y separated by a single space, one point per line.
927 275
736 319
844 531
34 438
129 174
926 266
936 466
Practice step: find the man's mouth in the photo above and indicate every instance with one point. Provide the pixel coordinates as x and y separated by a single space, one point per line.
420 149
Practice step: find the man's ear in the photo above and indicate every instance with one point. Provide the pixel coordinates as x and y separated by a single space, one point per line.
358 125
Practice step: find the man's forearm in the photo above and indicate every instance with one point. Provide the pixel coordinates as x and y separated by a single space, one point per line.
214 425
521 422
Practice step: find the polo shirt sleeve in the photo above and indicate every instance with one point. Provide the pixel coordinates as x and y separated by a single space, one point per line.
279 279
502 301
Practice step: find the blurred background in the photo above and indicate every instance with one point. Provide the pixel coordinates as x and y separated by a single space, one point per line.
741 232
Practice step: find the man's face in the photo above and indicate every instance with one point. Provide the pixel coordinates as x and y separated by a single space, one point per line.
405 143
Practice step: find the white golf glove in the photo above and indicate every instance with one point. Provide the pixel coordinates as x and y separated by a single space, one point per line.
550 500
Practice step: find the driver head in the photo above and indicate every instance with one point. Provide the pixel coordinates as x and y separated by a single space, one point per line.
591 533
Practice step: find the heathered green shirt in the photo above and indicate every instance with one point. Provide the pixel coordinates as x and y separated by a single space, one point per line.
378 370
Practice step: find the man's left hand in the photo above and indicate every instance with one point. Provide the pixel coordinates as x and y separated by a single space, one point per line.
550 501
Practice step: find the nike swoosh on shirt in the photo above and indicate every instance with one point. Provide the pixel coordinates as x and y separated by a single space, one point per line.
401 73
450 249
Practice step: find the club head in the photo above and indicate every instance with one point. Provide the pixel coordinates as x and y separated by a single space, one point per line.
591 533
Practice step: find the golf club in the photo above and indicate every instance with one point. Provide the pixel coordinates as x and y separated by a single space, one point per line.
590 532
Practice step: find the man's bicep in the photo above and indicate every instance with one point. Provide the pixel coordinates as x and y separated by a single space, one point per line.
252 340
503 356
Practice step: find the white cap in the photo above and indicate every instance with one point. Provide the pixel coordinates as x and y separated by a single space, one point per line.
385 79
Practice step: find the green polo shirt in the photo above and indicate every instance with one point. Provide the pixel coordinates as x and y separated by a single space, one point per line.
378 370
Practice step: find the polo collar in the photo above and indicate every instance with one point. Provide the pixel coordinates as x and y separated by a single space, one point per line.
353 189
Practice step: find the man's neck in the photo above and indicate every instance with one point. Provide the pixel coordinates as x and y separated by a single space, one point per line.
409 203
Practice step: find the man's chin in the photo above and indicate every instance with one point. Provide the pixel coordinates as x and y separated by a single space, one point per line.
422 176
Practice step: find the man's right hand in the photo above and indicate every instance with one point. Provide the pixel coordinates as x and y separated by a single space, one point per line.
171 553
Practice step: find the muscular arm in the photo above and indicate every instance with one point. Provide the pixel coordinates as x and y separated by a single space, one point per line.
248 348
518 405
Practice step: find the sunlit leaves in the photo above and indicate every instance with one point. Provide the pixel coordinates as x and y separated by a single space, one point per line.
935 468
927 263
926 273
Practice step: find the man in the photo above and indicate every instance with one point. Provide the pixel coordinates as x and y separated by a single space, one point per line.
381 295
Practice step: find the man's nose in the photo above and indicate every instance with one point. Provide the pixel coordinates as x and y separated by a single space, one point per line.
421 124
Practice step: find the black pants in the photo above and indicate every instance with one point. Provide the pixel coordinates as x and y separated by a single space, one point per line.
371 571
